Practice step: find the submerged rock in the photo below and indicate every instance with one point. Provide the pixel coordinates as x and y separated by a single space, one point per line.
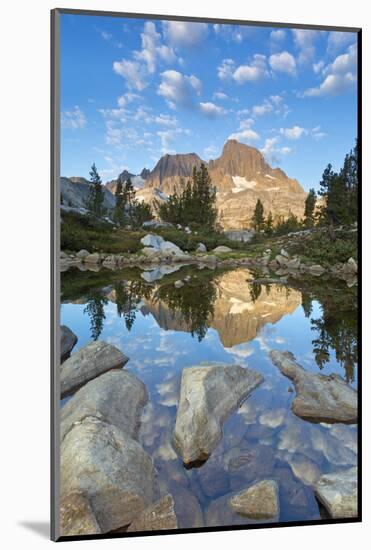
319 398
77 516
68 340
111 469
260 501
209 393
116 397
338 493
158 516
88 363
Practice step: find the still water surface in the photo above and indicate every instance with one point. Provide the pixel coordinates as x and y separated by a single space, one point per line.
222 317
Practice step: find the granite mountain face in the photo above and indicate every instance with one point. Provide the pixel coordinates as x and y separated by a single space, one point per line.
241 176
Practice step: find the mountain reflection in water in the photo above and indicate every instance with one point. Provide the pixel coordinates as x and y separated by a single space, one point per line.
220 316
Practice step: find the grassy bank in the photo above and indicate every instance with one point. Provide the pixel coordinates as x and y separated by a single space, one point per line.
78 231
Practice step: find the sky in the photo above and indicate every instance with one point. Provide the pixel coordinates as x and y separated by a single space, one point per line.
133 90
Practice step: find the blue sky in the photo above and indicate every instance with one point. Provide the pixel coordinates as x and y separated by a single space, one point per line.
134 89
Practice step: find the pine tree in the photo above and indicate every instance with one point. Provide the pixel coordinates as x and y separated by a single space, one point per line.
120 204
257 220
268 228
96 195
129 198
310 205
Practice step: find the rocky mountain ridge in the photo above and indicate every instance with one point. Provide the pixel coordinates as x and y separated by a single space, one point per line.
241 176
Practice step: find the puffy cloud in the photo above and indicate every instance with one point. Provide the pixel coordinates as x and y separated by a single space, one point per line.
340 75
185 34
167 137
179 89
317 134
304 40
272 151
278 35
220 95
256 70
283 62
226 69
333 84
317 67
132 72
152 49
262 109
338 40
211 110
210 152
245 134
73 119
293 133
165 120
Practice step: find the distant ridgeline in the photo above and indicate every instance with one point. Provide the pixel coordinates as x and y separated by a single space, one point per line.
241 177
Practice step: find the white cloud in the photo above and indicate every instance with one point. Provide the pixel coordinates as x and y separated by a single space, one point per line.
73 119
272 151
211 110
105 35
305 42
167 137
121 101
179 89
220 95
283 62
262 109
338 40
185 34
317 67
166 120
317 134
278 35
293 133
256 70
245 136
152 49
340 75
132 72
226 69
210 152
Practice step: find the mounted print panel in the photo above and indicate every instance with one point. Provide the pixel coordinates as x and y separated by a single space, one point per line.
205 298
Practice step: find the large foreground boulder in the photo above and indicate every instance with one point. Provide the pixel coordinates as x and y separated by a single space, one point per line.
77 516
319 398
116 397
68 340
209 393
158 516
88 363
110 469
260 501
338 492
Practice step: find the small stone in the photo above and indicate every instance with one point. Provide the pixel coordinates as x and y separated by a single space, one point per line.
338 493
260 501
178 284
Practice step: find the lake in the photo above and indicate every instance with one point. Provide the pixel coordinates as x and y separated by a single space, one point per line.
221 316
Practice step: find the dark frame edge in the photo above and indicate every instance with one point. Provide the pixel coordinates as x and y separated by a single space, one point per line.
169 17
54 272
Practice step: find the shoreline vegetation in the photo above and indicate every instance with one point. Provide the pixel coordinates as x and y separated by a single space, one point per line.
188 229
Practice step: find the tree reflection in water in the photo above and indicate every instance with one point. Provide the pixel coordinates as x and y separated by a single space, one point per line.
336 328
128 295
195 302
95 309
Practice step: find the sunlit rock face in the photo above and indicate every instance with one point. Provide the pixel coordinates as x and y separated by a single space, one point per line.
237 315
240 175
238 318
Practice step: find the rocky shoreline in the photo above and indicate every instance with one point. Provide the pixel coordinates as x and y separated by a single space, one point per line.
109 482
157 252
